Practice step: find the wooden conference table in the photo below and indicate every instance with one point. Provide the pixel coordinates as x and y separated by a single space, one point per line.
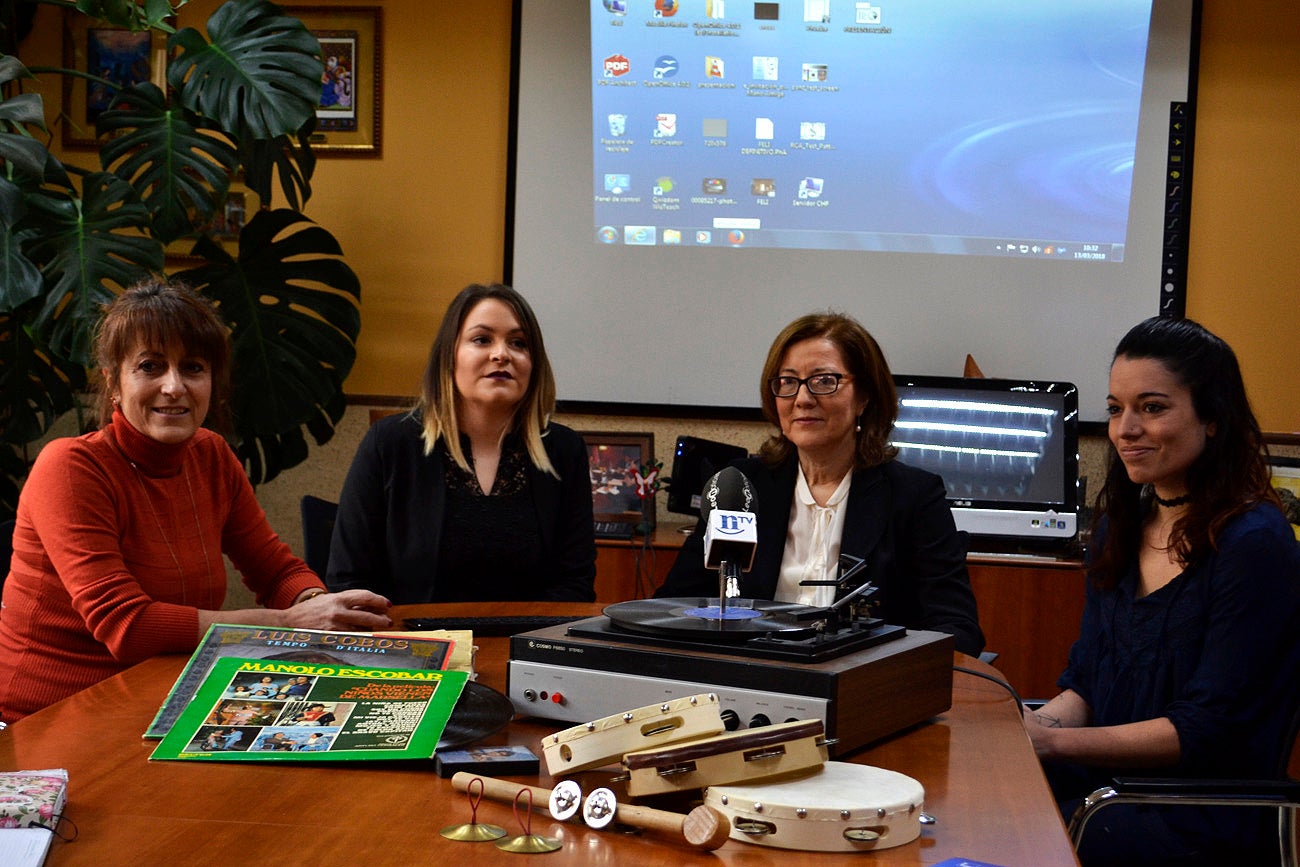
982 784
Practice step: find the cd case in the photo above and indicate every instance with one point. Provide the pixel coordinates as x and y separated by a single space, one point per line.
491 761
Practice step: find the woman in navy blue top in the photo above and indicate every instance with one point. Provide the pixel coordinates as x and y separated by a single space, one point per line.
1186 660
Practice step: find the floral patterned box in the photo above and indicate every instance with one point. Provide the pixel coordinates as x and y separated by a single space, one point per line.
30 798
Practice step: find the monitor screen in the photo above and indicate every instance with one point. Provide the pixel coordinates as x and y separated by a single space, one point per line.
1007 451
694 463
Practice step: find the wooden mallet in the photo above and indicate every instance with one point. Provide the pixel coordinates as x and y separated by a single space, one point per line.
704 827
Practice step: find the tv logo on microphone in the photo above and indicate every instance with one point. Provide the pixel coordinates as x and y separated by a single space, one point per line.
734 523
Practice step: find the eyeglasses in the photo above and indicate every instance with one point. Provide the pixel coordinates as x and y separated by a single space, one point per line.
818 383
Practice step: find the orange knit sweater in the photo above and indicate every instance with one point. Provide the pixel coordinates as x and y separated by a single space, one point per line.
118 544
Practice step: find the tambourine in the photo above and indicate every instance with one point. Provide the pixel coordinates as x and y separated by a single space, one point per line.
842 808
736 757
607 740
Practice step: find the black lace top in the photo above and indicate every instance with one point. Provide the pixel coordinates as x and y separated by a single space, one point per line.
503 561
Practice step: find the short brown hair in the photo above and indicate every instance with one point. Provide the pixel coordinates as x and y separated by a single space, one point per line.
871 378
159 315
438 386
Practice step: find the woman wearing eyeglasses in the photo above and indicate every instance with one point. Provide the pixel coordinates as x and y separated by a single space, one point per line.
827 484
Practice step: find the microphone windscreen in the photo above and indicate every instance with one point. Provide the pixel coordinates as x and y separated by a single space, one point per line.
730 490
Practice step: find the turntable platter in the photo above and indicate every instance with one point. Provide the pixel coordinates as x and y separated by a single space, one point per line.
695 617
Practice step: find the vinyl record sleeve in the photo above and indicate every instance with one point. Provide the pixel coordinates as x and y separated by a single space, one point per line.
341 713
298 645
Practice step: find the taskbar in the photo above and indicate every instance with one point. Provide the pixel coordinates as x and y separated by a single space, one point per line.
747 233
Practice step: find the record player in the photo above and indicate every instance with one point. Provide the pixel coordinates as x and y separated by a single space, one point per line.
768 662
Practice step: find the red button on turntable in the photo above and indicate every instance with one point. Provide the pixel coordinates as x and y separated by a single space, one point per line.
557 698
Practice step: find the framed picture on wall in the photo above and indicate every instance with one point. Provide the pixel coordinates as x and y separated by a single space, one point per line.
1286 481
115 57
234 212
615 459
349 116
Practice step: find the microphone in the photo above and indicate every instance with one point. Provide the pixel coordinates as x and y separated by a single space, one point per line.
728 507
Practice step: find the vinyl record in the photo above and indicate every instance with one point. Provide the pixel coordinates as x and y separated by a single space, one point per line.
695 617
480 711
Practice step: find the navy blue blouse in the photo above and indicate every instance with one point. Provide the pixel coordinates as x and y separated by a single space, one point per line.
1205 650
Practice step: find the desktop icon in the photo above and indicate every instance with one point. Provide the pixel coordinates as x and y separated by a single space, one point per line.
666 8
607 235
715 127
616 65
618 125
714 186
665 125
765 68
736 237
703 236
865 13
817 11
672 236
714 67
616 7
617 183
665 67
762 187
815 71
767 11
810 130
643 236
764 128
811 188
715 8
663 186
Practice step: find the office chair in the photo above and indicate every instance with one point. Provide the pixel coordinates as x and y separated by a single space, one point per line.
1282 792
317 528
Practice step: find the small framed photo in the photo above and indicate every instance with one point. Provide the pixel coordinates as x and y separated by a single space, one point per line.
111 58
238 207
349 117
1286 481
615 460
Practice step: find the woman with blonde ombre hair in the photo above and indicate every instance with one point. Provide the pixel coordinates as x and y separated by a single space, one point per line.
474 494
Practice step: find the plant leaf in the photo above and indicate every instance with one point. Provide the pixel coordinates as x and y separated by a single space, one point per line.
179 172
288 282
261 72
85 248
37 386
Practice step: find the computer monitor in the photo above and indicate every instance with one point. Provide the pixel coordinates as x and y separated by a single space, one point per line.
695 461
1007 451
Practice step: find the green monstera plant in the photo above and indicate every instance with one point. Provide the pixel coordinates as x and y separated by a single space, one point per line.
240 103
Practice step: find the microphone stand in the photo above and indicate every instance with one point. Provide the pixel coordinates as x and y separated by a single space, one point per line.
728 585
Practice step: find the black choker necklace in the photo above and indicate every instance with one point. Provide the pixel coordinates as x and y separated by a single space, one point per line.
1169 504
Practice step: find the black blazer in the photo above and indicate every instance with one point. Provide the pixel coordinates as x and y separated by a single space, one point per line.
389 526
898 520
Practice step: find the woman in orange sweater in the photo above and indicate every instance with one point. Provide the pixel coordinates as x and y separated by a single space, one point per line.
120 533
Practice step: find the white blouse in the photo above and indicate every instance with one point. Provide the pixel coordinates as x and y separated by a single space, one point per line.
812 545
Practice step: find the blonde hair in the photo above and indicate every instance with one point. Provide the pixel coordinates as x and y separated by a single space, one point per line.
437 402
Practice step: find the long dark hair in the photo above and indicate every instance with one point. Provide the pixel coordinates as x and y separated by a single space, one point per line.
871 377
438 385
1228 477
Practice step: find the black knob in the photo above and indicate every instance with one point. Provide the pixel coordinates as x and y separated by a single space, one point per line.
730 720
759 720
